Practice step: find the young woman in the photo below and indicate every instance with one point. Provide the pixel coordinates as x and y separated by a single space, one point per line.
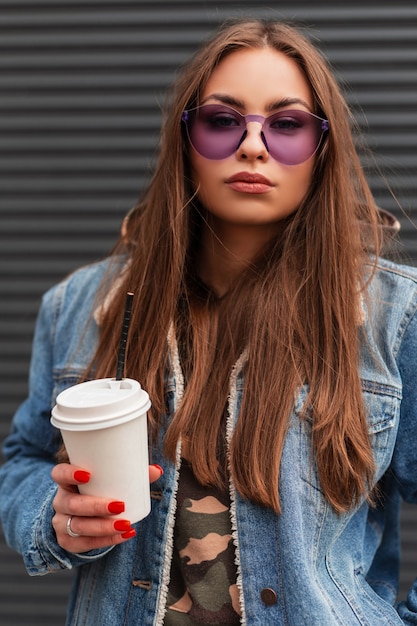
278 349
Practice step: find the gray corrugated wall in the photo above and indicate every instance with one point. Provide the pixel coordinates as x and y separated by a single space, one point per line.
80 87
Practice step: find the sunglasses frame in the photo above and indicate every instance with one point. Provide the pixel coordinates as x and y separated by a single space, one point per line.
261 119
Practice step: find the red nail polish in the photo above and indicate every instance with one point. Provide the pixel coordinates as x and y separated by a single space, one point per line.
122 524
82 476
116 507
158 467
130 533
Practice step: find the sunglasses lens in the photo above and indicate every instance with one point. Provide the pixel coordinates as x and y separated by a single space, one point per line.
215 131
291 137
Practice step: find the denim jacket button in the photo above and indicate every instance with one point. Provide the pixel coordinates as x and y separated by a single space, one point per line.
268 596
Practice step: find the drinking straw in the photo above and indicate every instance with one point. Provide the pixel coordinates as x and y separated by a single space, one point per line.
123 337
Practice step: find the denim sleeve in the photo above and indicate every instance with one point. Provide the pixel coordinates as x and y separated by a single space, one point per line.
404 463
26 487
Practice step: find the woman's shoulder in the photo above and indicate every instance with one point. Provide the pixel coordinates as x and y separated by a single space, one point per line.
93 274
86 279
393 287
75 297
390 276
397 271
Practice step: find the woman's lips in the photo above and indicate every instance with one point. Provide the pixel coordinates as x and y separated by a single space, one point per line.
245 182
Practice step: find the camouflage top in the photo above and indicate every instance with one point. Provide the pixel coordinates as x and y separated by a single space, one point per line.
202 586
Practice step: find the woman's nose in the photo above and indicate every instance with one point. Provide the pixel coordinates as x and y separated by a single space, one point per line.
253 147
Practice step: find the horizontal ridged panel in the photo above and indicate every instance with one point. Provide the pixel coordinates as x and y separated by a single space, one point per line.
81 88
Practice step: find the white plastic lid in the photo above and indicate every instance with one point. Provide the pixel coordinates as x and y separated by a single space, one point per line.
99 404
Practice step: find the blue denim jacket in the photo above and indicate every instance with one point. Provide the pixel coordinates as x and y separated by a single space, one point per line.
305 566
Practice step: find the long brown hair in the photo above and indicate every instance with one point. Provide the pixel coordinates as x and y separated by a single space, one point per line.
295 311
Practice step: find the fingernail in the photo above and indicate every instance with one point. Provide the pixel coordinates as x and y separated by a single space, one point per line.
158 467
116 507
122 524
130 533
82 476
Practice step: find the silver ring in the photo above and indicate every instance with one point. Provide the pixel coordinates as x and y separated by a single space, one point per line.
69 530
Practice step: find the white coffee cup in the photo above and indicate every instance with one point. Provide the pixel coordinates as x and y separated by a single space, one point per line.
104 427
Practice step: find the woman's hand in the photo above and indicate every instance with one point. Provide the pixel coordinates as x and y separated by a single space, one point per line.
82 522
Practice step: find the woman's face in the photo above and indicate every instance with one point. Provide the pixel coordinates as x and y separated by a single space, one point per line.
257 82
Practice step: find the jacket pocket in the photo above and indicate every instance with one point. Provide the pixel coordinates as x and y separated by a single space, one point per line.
64 378
382 405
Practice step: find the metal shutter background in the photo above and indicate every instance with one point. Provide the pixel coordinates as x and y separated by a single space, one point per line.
80 84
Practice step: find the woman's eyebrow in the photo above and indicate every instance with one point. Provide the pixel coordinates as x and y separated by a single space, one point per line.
273 106
286 102
225 99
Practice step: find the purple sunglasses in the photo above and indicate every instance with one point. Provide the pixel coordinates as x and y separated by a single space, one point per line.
291 137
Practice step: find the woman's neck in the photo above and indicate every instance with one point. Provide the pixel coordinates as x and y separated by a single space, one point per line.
227 250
